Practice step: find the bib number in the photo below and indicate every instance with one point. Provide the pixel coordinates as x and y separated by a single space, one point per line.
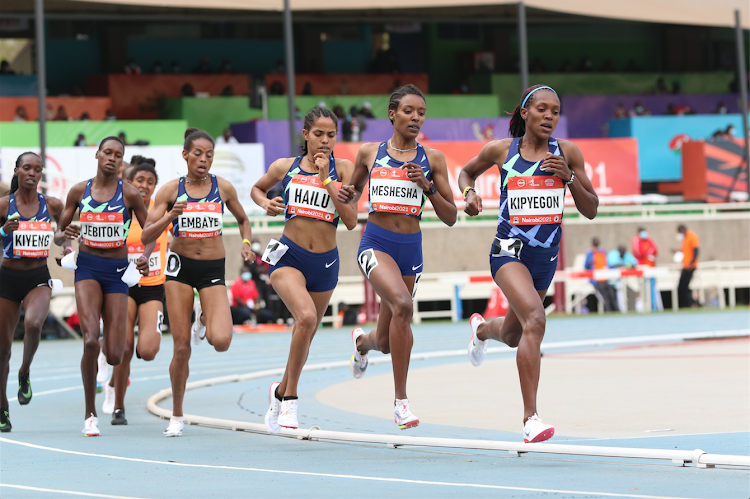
507 247
368 261
174 264
274 251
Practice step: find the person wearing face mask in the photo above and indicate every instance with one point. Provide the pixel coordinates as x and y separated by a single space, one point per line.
690 249
646 251
244 295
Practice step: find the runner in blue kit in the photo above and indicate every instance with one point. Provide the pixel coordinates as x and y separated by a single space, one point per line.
102 262
26 231
536 170
304 263
194 205
402 175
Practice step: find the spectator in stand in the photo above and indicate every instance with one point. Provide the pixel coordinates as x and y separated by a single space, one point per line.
339 112
131 68
721 108
620 258
620 111
187 90
596 259
122 138
5 68
644 248
175 68
80 141
244 296
354 125
157 68
366 110
226 67
276 88
109 115
85 116
62 114
690 249
203 67
639 110
307 89
661 86
227 137
21 115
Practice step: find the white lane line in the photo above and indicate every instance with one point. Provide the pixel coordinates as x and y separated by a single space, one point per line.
60 491
337 475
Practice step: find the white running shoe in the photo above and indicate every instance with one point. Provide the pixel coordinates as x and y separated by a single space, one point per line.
108 406
358 363
175 427
198 331
288 414
535 431
403 416
272 415
102 372
477 347
91 427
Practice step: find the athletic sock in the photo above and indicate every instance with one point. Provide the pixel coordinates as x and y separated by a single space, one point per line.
276 394
290 397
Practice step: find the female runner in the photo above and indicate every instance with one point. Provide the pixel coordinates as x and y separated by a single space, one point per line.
24 277
195 203
102 262
402 174
145 301
306 273
536 170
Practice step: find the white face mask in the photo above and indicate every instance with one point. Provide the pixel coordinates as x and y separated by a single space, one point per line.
680 236
643 234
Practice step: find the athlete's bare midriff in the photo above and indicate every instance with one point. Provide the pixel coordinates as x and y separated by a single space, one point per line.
313 235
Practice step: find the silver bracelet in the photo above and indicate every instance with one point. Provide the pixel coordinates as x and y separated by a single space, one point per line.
572 178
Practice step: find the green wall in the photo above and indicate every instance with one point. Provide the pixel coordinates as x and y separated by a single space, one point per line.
443 59
438 106
212 114
63 134
508 86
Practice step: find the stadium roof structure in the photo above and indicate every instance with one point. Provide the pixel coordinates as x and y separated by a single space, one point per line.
684 12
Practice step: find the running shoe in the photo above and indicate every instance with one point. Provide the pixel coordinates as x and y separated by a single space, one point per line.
477 347
91 427
118 417
288 414
24 390
5 425
108 406
358 363
272 415
198 331
175 428
403 416
102 374
535 431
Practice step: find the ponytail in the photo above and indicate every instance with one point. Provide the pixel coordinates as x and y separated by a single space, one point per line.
13 184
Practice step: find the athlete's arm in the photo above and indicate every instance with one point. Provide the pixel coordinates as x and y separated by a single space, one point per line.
134 202
159 218
9 225
564 166
64 226
229 194
273 176
55 208
347 212
351 193
442 200
493 153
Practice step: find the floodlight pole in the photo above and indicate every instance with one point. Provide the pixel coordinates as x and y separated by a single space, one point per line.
290 90
524 52
41 80
742 80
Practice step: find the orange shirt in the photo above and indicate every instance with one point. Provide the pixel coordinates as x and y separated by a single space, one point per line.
689 245
158 259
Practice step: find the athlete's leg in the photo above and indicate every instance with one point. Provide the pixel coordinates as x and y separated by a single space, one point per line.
89 303
115 317
10 312
395 293
36 306
217 317
150 318
180 304
121 372
307 309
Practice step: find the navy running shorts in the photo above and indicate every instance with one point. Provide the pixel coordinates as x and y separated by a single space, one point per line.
107 272
321 270
405 249
541 262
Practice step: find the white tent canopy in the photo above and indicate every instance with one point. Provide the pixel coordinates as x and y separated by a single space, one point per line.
685 12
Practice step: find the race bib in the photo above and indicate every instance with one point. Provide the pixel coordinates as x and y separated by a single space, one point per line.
200 220
274 251
535 200
32 239
135 251
391 191
308 198
102 230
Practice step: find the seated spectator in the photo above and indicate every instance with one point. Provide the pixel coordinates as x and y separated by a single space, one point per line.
307 89
621 258
366 110
187 90
226 67
203 67
661 86
276 88
596 259
339 112
620 111
80 141
5 68
639 110
21 115
228 91
123 138
109 115
131 68
157 68
227 138
85 116
244 296
721 108
175 68
62 114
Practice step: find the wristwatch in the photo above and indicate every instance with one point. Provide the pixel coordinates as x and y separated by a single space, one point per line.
572 178
432 190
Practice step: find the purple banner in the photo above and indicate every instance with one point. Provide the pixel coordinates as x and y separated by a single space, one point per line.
274 135
588 115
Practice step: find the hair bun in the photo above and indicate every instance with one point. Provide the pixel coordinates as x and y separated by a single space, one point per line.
190 130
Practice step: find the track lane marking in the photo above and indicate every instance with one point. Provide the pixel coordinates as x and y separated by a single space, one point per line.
70 492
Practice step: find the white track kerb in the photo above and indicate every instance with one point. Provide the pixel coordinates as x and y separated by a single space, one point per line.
698 457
